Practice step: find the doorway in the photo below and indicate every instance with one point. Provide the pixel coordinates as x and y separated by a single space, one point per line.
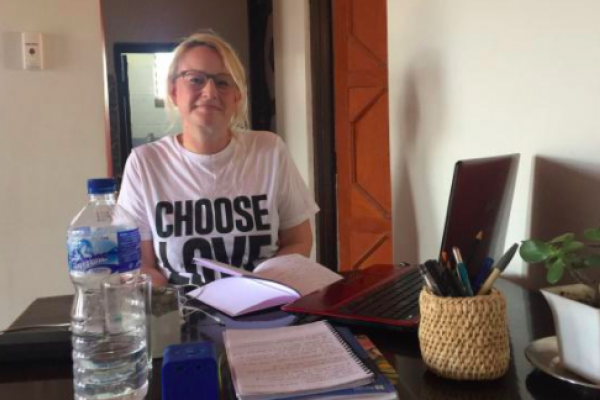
141 74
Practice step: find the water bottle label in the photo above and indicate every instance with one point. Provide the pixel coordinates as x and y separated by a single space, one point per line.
117 251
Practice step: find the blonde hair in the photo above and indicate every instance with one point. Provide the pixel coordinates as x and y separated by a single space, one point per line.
232 64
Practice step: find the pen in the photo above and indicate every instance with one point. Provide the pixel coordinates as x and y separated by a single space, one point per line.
457 255
435 273
498 269
442 274
454 283
428 280
483 273
462 271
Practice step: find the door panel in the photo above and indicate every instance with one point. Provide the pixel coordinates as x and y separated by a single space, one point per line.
362 133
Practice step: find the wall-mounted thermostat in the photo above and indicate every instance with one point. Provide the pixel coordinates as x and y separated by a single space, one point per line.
33 52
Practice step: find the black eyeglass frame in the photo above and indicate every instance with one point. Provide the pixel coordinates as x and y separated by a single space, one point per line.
215 78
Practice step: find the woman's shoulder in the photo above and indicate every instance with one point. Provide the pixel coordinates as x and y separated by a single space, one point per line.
264 140
159 148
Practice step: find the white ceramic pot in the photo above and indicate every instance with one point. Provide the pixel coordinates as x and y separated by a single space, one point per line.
578 330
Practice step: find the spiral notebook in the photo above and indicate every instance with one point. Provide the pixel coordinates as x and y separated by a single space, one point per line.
293 361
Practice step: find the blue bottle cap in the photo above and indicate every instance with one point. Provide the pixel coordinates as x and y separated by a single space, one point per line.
102 186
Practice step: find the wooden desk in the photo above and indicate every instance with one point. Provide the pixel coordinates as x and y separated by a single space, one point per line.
529 317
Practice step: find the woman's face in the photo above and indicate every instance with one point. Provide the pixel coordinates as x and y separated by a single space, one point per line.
205 103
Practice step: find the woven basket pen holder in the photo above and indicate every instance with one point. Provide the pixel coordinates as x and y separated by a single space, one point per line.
464 338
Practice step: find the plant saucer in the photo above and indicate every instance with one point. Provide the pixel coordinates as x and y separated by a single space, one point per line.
543 354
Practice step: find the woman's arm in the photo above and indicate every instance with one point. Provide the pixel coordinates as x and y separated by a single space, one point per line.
149 265
296 240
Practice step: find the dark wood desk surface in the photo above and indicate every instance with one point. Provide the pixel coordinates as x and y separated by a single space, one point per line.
529 317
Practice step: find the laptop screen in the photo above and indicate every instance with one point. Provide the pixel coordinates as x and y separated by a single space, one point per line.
478 209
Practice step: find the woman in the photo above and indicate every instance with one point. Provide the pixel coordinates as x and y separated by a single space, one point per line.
216 190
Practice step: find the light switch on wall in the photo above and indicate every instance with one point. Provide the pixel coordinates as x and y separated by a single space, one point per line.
33 53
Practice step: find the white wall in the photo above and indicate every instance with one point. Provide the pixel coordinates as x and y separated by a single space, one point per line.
475 78
52 139
291 40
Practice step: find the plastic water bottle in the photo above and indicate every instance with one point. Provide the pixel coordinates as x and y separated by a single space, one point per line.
104 246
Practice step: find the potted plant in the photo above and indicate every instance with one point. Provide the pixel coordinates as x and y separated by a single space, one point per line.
576 308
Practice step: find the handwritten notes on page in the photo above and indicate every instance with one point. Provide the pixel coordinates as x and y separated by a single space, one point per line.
291 361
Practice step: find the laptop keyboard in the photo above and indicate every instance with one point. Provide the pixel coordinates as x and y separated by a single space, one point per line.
396 300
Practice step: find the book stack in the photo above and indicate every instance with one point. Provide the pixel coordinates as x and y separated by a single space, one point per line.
304 362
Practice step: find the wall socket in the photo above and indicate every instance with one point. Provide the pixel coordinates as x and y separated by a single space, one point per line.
33 50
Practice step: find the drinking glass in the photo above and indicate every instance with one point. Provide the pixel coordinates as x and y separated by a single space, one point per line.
167 318
127 329
144 283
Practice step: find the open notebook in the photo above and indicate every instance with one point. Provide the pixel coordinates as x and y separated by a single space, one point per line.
274 282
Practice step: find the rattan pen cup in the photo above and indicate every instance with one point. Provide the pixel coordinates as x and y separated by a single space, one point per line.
464 338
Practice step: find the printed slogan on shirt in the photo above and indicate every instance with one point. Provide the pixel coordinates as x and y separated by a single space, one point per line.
202 219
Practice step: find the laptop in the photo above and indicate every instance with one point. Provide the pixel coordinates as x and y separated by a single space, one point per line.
387 295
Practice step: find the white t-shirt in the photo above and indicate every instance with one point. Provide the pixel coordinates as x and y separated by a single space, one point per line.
227 206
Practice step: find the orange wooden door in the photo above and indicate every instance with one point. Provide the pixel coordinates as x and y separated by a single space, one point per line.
361 133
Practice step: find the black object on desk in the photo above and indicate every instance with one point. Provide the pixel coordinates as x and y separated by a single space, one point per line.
40 333
529 319
479 207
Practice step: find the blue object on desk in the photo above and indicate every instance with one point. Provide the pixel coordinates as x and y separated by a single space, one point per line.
483 273
464 278
190 371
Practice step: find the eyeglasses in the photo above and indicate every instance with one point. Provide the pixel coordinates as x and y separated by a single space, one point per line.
197 80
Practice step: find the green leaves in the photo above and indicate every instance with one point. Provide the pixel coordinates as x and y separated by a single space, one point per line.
556 271
534 251
565 237
570 247
561 253
592 234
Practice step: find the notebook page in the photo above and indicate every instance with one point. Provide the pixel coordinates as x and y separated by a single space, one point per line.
298 272
220 267
250 295
291 360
